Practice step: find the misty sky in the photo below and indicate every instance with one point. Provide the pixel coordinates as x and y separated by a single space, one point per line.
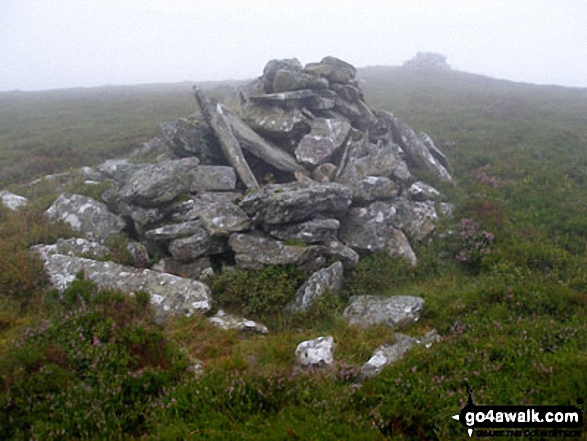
48 44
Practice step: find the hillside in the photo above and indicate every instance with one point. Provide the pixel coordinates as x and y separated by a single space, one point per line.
512 320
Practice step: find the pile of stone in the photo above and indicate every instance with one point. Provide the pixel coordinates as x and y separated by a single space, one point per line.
298 171
428 61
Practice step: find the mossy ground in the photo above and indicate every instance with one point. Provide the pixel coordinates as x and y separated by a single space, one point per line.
513 319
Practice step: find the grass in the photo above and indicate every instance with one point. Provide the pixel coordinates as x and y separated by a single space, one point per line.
506 288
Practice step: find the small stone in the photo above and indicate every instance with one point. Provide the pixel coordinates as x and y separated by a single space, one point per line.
318 352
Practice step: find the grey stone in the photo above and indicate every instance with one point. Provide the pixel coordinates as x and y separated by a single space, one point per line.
284 203
223 219
253 251
415 218
417 152
213 178
388 354
232 322
191 137
357 112
75 246
380 161
143 219
261 148
159 184
326 280
336 70
275 122
322 100
193 208
370 229
447 209
317 352
190 270
349 92
373 188
12 201
312 231
420 191
286 99
170 295
346 255
286 80
173 231
86 216
324 173
292 66
198 244
326 137
434 151
394 311
214 115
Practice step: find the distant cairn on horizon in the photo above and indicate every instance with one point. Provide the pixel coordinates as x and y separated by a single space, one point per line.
428 61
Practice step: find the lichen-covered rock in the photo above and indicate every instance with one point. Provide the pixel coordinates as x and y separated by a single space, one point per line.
139 254
75 246
317 352
200 243
240 324
379 161
370 229
191 137
295 202
223 219
420 191
86 216
394 311
253 251
326 280
173 231
373 188
213 178
334 69
191 209
12 201
159 184
388 354
190 270
326 137
415 218
416 151
170 294
338 251
275 122
434 151
312 231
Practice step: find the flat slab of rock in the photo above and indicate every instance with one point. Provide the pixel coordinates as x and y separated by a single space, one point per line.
213 178
200 243
295 202
223 219
312 231
254 252
388 354
173 231
190 270
12 201
170 294
75 246
160 183
373 188
240 324
326 280
261 148
394 311
275 122
418 153
317 352
326 137
86 216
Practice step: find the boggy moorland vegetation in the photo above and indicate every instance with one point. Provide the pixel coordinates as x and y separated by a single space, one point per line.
506 290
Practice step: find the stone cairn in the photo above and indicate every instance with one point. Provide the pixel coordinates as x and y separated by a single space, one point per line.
297 171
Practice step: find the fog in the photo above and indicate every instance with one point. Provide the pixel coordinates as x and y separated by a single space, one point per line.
48 44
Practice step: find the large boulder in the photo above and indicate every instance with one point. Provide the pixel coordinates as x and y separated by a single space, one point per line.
12 201
294 202
394 311
170 295
159 184
86 216
191 137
